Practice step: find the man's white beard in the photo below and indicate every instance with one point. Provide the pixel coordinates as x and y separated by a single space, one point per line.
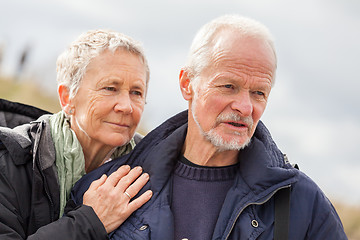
217 140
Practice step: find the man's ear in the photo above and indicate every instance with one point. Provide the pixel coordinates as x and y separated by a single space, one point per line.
185 86
64 97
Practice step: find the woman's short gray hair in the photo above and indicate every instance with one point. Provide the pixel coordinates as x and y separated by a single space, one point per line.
200 52
71 65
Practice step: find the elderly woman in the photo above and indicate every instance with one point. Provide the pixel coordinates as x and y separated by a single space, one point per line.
102 84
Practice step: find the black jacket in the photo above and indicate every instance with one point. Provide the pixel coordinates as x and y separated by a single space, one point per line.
29 189
13 114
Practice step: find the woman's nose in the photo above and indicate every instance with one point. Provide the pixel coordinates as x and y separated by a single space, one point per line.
123 103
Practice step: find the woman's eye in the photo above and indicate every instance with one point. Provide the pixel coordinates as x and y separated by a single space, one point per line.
112 89
229 86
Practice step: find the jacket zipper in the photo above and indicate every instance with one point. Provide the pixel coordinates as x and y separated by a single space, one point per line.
254 203
44 178
48 196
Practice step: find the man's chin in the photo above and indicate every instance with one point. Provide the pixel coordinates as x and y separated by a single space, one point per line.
228 143
232 146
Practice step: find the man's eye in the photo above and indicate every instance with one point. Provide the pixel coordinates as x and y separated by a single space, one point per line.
137 93
259 93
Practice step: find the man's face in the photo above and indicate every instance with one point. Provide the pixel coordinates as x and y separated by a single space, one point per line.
233 91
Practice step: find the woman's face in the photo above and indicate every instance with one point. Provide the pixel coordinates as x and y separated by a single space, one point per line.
109 103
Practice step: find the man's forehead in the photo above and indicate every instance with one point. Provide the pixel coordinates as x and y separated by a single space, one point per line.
236 49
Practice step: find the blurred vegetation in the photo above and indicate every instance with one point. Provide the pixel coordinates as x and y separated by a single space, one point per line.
350 217
29 93
25 91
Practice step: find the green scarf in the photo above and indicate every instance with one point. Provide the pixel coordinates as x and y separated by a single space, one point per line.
70 161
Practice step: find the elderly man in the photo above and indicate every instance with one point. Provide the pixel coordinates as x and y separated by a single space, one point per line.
214 170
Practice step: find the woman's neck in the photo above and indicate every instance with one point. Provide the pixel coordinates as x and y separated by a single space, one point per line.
96 156
95 153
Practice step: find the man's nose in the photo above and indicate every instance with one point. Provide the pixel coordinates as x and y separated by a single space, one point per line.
242 103
123 103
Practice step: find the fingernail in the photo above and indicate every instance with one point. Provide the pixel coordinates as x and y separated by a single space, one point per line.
149 193
146 176
138 168
127 167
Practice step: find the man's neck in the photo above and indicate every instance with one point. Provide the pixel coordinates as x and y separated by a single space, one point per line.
201 152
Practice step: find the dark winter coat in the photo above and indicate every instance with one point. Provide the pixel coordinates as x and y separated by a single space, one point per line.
29 189
13 114
248 210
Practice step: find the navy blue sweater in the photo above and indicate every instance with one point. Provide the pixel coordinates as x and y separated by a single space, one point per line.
197 197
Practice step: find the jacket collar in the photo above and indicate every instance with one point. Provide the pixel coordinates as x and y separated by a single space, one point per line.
25 140
262 166
17 142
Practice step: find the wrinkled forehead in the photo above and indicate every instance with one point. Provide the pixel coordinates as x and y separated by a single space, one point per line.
233 55
234 46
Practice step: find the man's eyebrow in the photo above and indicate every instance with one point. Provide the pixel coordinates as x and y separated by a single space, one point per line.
263 86
112 80
105 81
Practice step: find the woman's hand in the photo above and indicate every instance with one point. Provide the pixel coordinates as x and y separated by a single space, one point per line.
110 196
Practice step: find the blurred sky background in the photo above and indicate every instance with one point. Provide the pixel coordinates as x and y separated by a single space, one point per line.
313 111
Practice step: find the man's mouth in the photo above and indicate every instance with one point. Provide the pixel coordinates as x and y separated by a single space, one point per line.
237 124
236 121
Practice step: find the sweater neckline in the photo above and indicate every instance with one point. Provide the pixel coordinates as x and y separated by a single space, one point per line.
186 169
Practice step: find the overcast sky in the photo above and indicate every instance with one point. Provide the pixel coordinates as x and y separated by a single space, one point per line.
313 111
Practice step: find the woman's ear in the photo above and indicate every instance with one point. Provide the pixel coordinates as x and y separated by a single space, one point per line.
185 86
64 97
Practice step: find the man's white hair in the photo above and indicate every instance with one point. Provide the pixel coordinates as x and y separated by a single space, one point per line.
201 48
72 63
